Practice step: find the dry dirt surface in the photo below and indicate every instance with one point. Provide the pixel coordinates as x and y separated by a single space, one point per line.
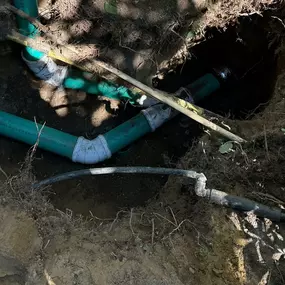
6 20
140 37
174 238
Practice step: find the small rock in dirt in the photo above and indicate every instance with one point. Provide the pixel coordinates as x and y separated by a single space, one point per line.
46 92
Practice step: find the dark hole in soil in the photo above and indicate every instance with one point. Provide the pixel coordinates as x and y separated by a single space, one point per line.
102 195
245 51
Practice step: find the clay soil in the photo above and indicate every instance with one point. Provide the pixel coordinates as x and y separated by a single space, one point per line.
140 37
149 229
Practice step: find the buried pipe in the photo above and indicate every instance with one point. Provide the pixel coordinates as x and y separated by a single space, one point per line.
196 113
212 195
76 82
30 132
39 63
85 151
46 69
26 28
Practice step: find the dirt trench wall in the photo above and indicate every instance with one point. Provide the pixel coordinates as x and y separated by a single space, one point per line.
139 37
7 22
177 239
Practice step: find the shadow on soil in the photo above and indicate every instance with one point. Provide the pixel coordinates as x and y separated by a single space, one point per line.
253 69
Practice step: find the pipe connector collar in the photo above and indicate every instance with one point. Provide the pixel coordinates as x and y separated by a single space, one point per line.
47 70
91 151
157 115
200 186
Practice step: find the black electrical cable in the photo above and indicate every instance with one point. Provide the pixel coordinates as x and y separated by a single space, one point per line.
114 170
215 196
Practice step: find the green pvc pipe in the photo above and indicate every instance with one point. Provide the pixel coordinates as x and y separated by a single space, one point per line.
126 133
30 7
199 89
103 88
32 54
138 126
203 87
26 28
28 132
64 144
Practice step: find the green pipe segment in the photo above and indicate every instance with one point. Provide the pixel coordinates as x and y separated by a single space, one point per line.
102 88
26 28
76 81
138 126
29 132
30 7
203 87
32 54
126 133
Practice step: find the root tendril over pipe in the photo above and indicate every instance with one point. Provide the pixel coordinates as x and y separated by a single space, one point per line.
214 196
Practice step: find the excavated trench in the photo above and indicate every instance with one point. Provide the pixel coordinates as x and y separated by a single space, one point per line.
243 49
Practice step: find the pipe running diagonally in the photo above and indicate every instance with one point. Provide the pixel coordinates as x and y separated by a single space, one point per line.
85 151
46 69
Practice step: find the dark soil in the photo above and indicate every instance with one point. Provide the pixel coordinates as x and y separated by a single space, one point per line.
101 195
253 76
140 36
176 238
251 62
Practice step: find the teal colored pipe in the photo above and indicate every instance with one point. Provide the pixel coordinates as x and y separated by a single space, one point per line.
93 151
199 89
32 54
30 7
203 87
28 132
100 88
138 126
127 133
62 143
77 82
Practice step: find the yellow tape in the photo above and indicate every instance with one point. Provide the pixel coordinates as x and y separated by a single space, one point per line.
53 54
189 106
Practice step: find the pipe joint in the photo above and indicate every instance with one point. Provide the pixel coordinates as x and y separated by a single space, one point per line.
91 151
157 115
200 186
46 69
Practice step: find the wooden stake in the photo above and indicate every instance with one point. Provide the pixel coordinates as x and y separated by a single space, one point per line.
64 53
